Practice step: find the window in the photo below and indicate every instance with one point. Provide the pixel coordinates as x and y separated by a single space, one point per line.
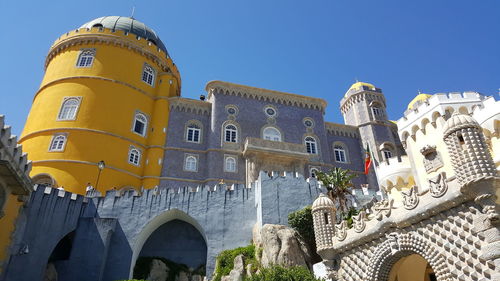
230 133
311 145
271 133
270 111
340 155
68 109
193 133
134 156
191 163
140 124
230 164
308 122
148 75
377 111
58 142
387 154
85 58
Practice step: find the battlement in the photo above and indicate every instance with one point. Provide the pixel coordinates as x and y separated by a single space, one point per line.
190 105
342 130
116 37
14 161
393 170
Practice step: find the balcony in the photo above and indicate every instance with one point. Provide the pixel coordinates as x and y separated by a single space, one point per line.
257 146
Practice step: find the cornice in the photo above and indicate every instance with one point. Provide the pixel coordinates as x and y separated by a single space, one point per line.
342 130
190 105
226 88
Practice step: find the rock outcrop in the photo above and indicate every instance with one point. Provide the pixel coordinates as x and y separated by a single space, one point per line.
238 270
158 271
283 246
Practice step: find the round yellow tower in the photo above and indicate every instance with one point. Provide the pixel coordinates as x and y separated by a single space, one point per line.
103 99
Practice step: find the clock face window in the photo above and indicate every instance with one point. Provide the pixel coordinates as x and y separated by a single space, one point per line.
231 110
271 112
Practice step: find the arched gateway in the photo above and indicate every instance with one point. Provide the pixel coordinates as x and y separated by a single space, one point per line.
398 246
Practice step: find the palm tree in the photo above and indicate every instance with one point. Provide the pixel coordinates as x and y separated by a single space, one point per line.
338 183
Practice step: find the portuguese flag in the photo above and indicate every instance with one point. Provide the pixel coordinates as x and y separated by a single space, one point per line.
368 159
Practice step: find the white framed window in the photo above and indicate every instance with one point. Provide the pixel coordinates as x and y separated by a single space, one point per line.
230 133
140 124
69 108
387 154
340 154
230 164
377 111
191 163
193 133
313 171
270 111
58 143
148 75
85 58
134 156
311 146
271 133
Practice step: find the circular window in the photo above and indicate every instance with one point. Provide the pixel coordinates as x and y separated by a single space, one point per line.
271 112
309 123
231 110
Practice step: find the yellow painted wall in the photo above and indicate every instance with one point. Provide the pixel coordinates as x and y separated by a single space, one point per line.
7 223
410 268
111 92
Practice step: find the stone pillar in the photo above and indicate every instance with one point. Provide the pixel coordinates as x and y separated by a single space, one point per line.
323 211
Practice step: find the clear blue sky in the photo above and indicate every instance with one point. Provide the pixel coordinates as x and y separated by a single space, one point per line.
315 48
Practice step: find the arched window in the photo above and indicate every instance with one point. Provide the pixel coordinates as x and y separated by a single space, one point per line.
58 143
193 133
271 133
230 165
387 154
191 163
86 58
148 75
340 154
230 133
68 109
140 124
311 145
134 156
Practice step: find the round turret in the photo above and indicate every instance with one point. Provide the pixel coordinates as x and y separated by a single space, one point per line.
100 116
470 156
323 211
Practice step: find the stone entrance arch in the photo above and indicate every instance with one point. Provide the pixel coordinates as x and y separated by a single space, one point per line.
157 222
398 246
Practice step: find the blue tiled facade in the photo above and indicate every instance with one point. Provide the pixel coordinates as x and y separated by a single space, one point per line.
245 108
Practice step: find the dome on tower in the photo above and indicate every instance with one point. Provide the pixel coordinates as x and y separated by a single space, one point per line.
459 121
421 97
323 201
361 84
127 24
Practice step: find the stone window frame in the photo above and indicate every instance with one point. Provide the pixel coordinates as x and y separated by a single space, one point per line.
85 58
264 128
377 109
63 106
196 162
223 133
387 148
56 136
316 144
226 158
187 128
148 74
311 170
345 150
138 153
146 123
308 119
235 107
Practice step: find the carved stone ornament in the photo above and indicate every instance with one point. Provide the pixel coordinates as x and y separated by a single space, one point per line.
438 185
359 221
382 208
393 239
341 230
428 149
410 198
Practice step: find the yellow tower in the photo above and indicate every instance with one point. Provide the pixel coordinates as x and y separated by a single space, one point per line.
104 97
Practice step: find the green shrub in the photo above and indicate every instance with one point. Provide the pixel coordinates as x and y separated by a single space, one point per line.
279 273
302 222
225 260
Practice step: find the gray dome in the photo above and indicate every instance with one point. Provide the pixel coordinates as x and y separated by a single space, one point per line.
459 121
322 202
130 25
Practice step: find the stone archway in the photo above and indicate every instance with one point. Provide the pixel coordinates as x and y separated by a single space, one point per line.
157 224
398 246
